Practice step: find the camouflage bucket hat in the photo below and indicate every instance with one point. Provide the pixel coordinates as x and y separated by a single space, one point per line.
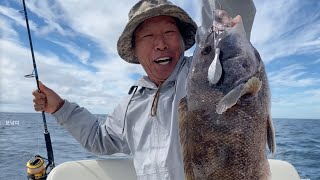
146 9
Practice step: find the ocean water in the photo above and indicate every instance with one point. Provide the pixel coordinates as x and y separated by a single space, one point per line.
21 137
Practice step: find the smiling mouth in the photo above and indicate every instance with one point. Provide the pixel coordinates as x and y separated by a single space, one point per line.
163 61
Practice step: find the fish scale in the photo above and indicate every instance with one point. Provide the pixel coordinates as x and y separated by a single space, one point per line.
231 144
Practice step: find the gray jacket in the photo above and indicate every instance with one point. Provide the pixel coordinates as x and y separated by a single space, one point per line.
153 141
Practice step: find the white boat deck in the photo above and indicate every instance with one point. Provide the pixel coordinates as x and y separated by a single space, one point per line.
122 169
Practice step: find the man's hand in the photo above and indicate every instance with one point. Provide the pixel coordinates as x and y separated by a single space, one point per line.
236 51
232 38
46 100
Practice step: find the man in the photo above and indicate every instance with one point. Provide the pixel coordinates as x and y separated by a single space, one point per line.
144 124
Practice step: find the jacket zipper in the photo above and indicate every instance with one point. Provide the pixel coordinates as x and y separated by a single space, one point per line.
157 147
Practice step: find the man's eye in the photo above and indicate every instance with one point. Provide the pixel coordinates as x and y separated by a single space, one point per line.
147 35
169 32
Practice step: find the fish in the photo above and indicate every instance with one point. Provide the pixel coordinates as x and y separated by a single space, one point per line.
224 121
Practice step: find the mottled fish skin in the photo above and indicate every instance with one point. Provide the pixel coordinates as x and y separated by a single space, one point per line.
230 145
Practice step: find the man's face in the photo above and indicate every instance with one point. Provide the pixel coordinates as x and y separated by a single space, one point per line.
158 46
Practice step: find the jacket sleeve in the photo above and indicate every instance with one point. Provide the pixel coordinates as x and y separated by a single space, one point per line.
101 137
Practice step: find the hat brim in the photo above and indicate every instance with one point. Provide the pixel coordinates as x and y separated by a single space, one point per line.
124 45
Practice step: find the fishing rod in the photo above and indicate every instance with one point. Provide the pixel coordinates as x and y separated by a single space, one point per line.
36 168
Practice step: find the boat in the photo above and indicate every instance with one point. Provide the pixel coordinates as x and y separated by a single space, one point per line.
123 169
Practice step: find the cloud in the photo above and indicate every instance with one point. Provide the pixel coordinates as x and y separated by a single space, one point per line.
304 104
15 63
281 28
7 31
101 21
51 16
292 76
293 87
17 17
99 91
316 61
82 54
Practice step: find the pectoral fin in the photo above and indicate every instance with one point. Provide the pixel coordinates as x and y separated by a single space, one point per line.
271 136
252 86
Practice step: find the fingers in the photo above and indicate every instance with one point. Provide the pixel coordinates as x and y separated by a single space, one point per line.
42 87
38 95
236 20
234 42
46 100
237 25
39 107
40 101
222 19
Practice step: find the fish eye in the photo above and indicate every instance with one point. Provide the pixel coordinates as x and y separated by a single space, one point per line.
206 50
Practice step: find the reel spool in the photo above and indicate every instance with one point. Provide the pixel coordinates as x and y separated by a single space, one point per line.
36 168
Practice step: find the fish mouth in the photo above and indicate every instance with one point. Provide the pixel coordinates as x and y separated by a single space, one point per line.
163 60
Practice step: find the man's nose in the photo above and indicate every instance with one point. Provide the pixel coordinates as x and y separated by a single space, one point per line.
160 43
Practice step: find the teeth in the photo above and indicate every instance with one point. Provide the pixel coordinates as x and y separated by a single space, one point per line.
164 63
163 60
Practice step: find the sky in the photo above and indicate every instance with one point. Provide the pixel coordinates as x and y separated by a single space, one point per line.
76 55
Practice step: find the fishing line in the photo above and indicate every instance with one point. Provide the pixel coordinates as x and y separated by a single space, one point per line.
36 167
37 125
214 23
